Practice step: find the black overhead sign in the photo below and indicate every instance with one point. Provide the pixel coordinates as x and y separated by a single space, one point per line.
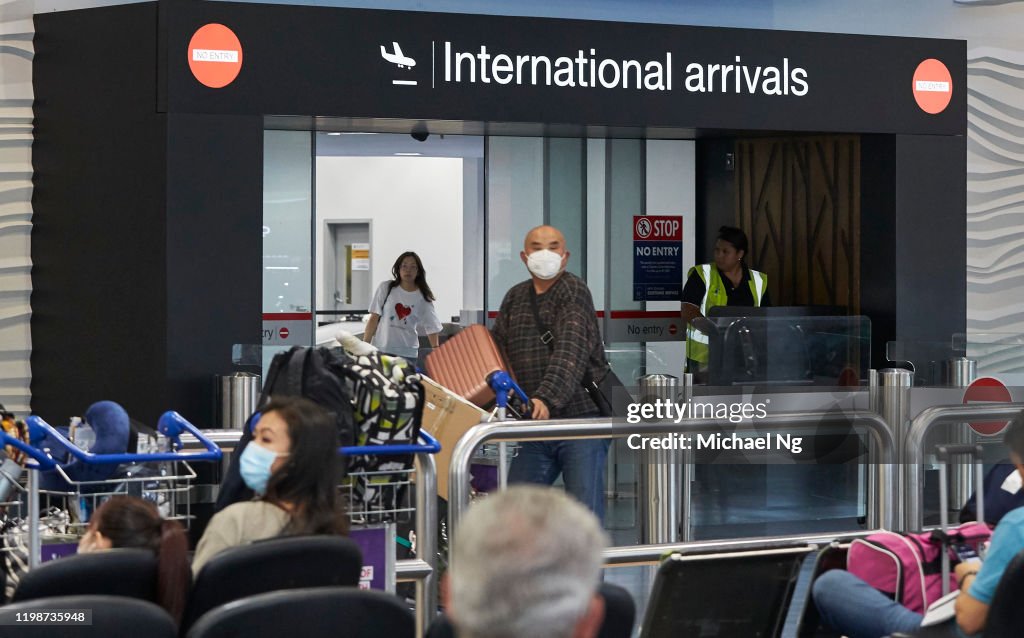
355 63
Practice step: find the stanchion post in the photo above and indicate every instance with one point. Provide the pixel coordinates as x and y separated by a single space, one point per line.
660 475
35 548
686 506
874 405
426 540
874 395
895 386
961 372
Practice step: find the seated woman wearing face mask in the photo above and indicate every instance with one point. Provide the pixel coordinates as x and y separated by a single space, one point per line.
293 466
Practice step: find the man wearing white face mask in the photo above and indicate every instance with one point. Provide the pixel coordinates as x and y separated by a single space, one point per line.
547 329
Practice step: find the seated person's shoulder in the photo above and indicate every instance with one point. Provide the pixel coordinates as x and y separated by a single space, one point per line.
252 509
1014 519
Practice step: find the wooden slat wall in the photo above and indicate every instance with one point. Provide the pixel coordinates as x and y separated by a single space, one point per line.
798 199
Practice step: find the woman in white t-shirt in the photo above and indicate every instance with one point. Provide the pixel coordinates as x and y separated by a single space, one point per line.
402 309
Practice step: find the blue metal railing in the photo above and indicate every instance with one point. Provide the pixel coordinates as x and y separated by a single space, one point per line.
430 445
171 425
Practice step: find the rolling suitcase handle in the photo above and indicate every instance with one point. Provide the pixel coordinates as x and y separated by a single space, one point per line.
944 453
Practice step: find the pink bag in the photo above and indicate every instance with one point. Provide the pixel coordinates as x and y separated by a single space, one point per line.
908 567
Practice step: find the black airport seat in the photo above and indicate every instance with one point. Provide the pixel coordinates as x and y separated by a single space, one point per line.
619 615
321 612
111 616
290 562
114 572
729 595
619 612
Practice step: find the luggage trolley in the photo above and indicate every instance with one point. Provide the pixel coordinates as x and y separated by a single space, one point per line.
503 385
386 486
386 508
164 477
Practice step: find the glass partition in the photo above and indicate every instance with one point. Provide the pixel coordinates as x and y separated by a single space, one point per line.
996 353
287 241
287 211
779 346
938 362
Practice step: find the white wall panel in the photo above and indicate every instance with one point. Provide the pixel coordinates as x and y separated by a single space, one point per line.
995 208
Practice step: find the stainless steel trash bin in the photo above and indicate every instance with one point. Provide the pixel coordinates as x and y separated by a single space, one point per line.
961 372
236 397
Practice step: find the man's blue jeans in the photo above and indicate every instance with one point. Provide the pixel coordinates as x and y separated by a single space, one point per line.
852 607
581 462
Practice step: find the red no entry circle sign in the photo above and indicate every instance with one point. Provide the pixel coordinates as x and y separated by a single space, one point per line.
933 86
215 55
987 390
283 332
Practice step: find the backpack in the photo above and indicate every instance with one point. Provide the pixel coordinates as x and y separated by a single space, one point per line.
908 567
304 372
312 373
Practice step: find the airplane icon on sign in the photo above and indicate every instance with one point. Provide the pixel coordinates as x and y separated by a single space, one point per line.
403 61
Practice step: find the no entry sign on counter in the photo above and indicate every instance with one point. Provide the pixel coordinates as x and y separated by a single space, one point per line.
987 390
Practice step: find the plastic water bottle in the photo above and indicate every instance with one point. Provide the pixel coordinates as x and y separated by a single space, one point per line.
84 437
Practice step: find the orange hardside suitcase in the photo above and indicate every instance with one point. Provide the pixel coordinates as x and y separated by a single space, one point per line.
463 363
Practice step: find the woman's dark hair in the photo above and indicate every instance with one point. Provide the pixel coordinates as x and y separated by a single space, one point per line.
1014 437
307 483
130 522
421 275
734 236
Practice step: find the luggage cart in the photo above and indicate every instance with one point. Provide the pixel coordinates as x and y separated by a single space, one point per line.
503 385
164 477
19 484
394 483
423 569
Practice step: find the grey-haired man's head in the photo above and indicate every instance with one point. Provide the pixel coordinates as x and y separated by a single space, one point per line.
527 564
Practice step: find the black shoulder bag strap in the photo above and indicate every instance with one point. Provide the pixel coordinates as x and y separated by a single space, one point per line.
548 338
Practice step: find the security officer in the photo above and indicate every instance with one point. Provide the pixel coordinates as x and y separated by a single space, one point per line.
727 282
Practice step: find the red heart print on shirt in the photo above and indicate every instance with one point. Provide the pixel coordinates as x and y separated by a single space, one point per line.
402 311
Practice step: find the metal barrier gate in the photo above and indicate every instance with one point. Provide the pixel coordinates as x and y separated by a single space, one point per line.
913 512
881 510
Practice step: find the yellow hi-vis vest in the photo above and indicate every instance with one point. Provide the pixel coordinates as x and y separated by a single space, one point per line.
716 295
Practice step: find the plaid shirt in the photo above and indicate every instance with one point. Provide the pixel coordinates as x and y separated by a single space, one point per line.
553 375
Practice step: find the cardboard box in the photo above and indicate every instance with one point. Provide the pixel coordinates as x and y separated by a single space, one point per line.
446 417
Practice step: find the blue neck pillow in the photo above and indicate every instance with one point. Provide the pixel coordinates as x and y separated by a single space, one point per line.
110 423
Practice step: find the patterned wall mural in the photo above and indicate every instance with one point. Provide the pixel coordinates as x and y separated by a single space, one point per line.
15 204
995 209
799 199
